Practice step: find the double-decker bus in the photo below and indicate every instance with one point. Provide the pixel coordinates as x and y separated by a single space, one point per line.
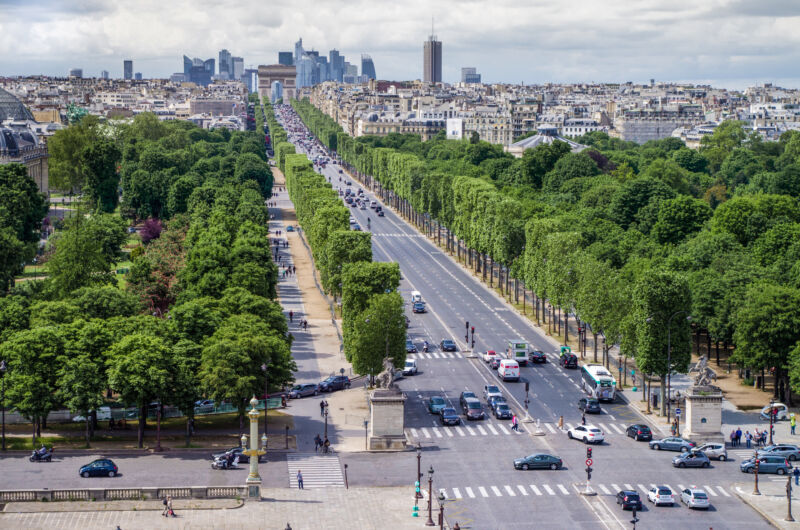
598 382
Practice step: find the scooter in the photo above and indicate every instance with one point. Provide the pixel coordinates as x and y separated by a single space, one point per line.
42 455
222 463
425 347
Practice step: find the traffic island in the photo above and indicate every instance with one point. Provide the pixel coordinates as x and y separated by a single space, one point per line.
772 503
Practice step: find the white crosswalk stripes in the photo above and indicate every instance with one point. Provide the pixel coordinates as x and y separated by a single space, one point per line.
522 489
503 429
604 489
641 487
509 491
426 433
318 471
436 432
723 491
482 491
460 431
491 429
710 490
550 428
471 431
562 490
615 428
481 430
548 489
536 490
469 493
496 491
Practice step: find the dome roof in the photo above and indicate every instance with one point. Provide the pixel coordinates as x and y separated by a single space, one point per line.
12 108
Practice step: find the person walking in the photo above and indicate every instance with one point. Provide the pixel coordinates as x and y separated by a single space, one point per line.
326 445
796 474
515 423
299 479
291 313
322 408
583 417
792 423
748 438
317 443
169 507
165 502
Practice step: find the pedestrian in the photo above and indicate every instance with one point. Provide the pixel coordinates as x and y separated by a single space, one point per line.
738 436
792 423
299 479
322 408
326 445
305 324
733 438
561 422
317 443
763 438
748 438
165 502
293 269
169 507
291 315
796 474
583 417
514 423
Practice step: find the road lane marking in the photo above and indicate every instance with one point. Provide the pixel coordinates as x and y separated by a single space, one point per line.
456 493
615 488
550 428
414 433
471 431
536 490
483 432
680 487
711 491
449 432
548 489
436 432
613 427
628 487
482 491
458 355
522 489
425 432
503 429
604 489
563 489
569 426
496 491
510 491
641 487
460 431
436 355
722 490
469 493
492 429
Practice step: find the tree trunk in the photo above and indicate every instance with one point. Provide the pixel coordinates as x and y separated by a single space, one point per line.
788 388
241 424
39 426
88 428
188 431
708 346
566 328
93 423
595 345
663 395
142 420
34 422
44 421
697 341
775 392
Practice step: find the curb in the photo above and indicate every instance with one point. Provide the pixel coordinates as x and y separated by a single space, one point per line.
745 498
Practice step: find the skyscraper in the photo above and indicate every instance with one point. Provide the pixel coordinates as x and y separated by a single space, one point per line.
137 76
432 60
127 69
298 51
237 68
286 58
76 72
198 71
470 75
225 65
104 74
367 66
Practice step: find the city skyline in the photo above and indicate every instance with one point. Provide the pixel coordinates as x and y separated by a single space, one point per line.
726 43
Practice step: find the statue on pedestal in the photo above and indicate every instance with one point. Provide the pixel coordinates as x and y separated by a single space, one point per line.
705 375
385 379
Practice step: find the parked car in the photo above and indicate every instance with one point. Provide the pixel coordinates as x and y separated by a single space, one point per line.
290 228
588 434
304 390
410 367
489 355
661 495
538 461
788 451
466 395
448 345
334 382
629 500
778 465
537 356
695 498
589 405
236 451
473 410
491 390
501 411
672 443
202 406
419 307
713 450
569 360
779 411
102 467
450 416
639 432
103 414
691 459
410 348
436 404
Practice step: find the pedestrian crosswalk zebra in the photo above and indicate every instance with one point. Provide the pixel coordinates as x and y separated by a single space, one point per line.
319 471
553 490
435 355
494 429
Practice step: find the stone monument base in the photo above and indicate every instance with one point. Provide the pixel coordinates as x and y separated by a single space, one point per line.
387 420
704 414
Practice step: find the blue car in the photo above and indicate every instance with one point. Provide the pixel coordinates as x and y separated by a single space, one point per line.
102 467
436 404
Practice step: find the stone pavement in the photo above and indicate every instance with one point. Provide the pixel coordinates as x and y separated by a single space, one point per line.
328 508
771 504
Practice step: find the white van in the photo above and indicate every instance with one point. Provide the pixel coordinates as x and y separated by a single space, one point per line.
508 370
415 297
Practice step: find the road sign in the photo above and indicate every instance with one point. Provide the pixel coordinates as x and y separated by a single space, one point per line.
678 412
589 462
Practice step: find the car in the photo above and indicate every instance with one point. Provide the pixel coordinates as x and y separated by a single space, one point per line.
691 459
419 307
304 390
448 345
639 432
436 404
779 411
489 355
357 227
508 370
589 405
672 443
363 206
102 467
569 360
203 405
501 411
450 416
466 395
410 368
537 356
695 498
788 451
352 220
473 410
660 496
629 500
538 461
496 399
290 228
340 171
494 364
236 451
334 382
410 348
713 450
587 433
103 414
491 390
776 464
380 213
373 204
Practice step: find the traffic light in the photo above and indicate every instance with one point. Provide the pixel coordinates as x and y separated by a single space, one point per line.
527 386
472 329
467 324
588 452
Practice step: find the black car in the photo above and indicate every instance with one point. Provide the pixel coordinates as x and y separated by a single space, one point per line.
537 356
334 382
495 363
589 405
466 395
473 409
450 416
629 500
448 345
494 400
102 467
419 307
569 361
236 451
639 432
539 461
501 411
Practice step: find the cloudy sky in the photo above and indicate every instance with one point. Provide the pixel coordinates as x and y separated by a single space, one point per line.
732 43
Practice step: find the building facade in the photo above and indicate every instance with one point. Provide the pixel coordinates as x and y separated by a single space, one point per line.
127 69
367 66
286 58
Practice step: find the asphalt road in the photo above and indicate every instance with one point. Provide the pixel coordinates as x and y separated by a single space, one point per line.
473 466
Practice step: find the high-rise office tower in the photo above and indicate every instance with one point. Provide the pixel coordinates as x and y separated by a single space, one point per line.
367 66
76 72
127 69
286 58
432 60
470 75
104 74
198 71
225 63
137 76
335 66
237 67
298 51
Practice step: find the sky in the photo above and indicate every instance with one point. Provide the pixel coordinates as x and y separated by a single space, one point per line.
726 43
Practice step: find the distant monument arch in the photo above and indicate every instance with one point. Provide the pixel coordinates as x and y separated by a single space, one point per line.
285 75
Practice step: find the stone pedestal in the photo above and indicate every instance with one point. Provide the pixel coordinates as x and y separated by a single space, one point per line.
704 414
386 420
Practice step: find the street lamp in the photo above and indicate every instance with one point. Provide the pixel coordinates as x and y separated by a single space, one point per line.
3 370
441 510
325 414
789 498
771 417
430 522
755 473
418 495
264 368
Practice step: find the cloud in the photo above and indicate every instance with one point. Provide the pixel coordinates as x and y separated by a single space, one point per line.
507 40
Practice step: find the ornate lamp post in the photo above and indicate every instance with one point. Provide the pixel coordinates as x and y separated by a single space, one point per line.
430 522
264 368
418 495
440 498
253 479
3 370
771 418
755 473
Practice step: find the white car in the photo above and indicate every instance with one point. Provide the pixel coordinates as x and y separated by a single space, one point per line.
781 412
695 498
411 367
103 414
661 495
489 355
352 220
588 434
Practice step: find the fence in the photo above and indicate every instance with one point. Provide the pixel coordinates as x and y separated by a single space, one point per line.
98 494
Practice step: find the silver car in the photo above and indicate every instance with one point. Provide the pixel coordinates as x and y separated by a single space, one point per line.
713 451
790 452
695 498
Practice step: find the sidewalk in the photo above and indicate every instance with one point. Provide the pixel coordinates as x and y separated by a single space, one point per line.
772 503
329 508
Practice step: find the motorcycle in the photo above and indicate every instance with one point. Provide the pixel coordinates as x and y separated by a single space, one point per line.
222 463
425 347
42 455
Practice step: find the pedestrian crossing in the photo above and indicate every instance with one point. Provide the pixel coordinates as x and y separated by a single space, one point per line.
566 490
435 355
461 431
319 471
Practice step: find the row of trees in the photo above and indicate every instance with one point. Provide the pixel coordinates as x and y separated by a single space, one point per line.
595 233
373 319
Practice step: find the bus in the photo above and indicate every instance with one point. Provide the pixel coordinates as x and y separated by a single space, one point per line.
598 382
517 350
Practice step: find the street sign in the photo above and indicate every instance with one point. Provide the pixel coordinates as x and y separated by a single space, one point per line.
678 412
589 462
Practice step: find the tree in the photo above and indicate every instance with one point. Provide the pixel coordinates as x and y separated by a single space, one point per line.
139 369
22 207
104 302
81 381
99 159
633 196
680 217
66 150
378 333
79 259
344 246
151 230
568 167
12 257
